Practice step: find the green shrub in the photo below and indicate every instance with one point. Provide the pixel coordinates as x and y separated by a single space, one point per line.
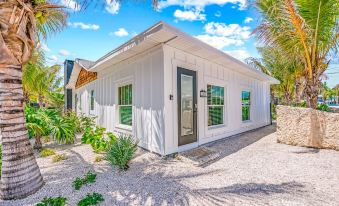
323 107
47 152
121 152
88 178
53 201
50 122
86 122
72 117
58 158
97 140
91 199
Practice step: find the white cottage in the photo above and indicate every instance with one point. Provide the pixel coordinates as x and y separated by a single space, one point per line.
171 91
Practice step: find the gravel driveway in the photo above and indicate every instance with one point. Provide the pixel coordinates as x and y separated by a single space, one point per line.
249 169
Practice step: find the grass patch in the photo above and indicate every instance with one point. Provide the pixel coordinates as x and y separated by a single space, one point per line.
58 158
53 201
47 152
91 199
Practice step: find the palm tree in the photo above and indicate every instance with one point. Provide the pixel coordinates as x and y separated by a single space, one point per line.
22 22
307 31
274 63
41 82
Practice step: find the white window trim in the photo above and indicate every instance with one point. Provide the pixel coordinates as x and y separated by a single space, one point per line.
119 126
223 106
221 127
251 105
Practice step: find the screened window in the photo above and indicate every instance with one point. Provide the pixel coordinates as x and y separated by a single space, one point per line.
125 104
215 104
246 105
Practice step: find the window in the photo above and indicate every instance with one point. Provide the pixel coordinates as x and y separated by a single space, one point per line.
215 104
92 100
125 105
246 105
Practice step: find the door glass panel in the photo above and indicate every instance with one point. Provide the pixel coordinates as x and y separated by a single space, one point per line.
186 105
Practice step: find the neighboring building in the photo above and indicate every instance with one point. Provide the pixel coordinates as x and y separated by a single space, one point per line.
171 91
68 67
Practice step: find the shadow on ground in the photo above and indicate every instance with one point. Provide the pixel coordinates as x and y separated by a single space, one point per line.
210 153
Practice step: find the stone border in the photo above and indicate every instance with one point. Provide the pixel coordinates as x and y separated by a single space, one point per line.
307 127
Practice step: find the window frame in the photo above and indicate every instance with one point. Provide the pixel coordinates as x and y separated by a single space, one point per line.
224 120
249 105
119 125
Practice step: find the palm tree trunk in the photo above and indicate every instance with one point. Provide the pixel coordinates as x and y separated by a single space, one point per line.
40 101
311 93
20 172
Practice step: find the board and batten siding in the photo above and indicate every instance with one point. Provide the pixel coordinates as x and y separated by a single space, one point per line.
145 72
220 75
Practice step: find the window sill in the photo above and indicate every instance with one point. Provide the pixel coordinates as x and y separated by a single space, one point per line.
124 127
216 126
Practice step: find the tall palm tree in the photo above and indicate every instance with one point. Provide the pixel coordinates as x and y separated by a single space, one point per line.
22 23
307 31
274 63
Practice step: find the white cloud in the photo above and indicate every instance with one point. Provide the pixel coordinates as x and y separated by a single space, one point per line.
64 52
219 42
190 15
248 20
112 6
220 35
200 3
232 30
120 32
53 58
84 26
217 14
238 54
71 4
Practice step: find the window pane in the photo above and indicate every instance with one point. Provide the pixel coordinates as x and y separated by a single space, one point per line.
246 97
186 105
215 115
245 113
125 113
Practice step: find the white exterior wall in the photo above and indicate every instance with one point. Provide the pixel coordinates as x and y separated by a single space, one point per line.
145 72
155 121
220 75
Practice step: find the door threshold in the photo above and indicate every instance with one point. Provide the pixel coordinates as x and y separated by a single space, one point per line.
186 147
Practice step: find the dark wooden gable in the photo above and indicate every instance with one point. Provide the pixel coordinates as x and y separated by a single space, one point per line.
85 77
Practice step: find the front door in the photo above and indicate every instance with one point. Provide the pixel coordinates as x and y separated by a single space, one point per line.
187 106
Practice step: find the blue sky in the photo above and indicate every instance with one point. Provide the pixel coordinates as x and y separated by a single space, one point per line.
92 32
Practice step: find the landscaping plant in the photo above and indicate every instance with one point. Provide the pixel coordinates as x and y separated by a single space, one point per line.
58 158
96 138
47 152
53 201
91 199
90 177
121 152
